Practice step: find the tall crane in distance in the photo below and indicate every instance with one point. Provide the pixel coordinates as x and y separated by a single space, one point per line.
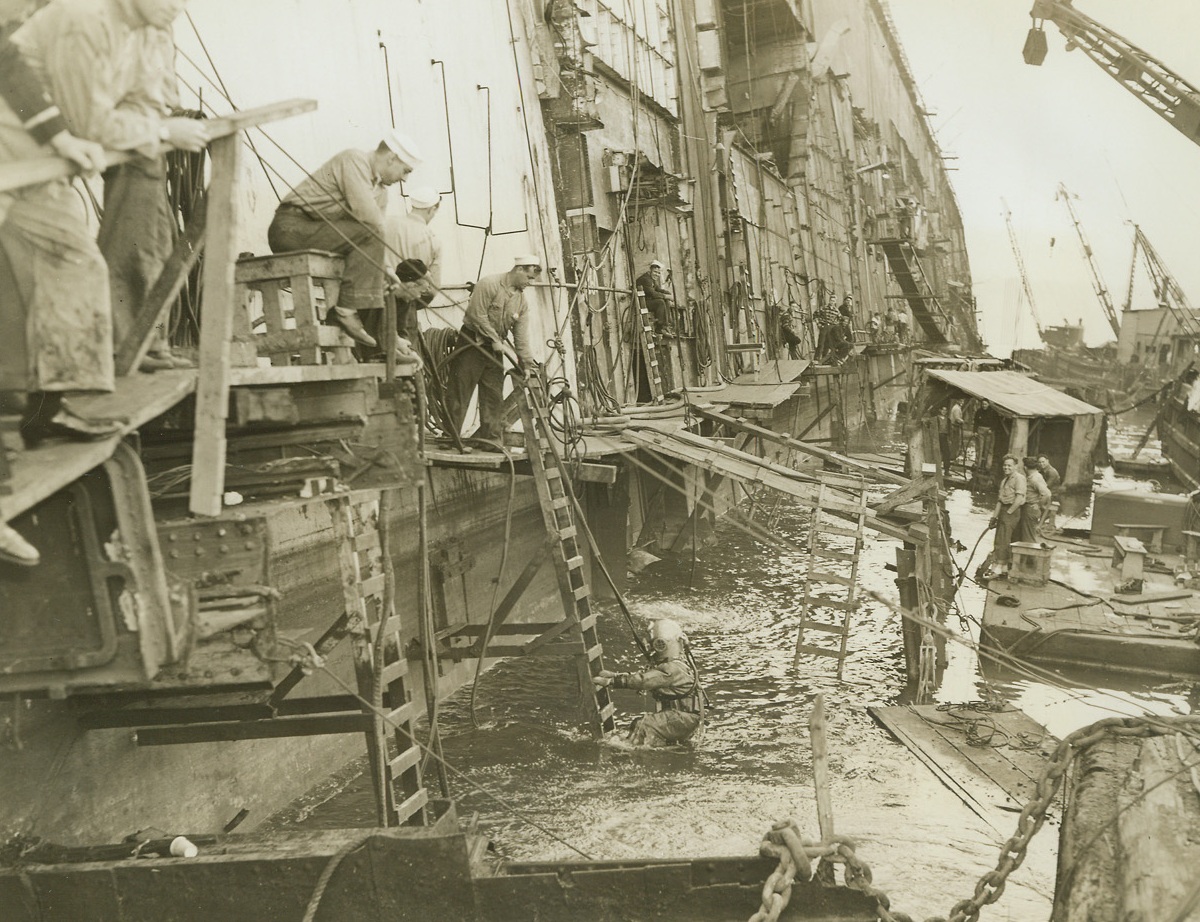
1166 289
1016 248
1168 94
1110 312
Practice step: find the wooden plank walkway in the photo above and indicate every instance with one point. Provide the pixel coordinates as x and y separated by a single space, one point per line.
990 759
39 472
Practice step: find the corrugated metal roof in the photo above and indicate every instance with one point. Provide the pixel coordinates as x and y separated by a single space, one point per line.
1014 393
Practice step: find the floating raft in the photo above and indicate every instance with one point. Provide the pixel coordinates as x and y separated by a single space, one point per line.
990 759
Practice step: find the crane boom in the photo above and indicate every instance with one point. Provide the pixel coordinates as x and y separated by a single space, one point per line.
1173 98
1012 238
1110 312
1166 289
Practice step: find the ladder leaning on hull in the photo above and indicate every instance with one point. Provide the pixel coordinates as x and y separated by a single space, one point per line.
648 341
557 502
358 526
822 557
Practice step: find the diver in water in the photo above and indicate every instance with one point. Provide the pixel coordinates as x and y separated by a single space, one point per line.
674 682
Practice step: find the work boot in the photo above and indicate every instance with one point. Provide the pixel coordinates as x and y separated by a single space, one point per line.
349 321
152 363
16 550
46 417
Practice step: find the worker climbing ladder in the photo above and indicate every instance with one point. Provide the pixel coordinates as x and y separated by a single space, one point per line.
558 509
649 346
358 527
833 543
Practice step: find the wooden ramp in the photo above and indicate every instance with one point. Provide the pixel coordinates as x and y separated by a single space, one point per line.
990 759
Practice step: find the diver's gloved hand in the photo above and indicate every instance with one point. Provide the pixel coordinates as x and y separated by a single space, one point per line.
604 679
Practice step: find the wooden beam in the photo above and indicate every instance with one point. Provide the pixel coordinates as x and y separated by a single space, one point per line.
921 485
44 169
216 329
872 473
590 472
820 753
276 728
515 591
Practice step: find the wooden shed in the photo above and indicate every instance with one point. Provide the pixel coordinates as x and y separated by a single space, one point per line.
1012 413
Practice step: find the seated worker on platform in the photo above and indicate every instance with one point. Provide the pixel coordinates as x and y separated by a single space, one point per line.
29 339
674 684
659 301
497 308
340 208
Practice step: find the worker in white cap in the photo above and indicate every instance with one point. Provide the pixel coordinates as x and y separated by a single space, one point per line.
411 238
496 309
340 208
659 301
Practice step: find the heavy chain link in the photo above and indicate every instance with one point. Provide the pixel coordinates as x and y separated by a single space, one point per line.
1012 854
796 854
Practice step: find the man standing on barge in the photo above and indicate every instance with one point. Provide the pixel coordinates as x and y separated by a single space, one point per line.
1007 517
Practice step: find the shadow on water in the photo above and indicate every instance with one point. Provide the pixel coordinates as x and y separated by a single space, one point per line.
752 765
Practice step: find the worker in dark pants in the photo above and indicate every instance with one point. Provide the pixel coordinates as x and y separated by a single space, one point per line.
673 683
497 308
340 208
659 301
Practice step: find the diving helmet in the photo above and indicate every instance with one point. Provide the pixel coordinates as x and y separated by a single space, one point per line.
666 639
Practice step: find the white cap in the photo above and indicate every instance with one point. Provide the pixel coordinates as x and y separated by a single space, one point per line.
423 196
655 263
403 147
529 259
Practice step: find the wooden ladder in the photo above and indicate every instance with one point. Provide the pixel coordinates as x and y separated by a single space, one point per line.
356 526
824 556
649 345
557 501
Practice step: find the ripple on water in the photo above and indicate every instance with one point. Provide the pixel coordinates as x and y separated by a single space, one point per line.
753 764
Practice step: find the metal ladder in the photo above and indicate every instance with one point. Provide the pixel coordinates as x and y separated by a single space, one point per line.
356 526
557 502
823 556
649 345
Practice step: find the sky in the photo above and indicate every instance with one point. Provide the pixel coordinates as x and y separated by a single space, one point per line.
1017 131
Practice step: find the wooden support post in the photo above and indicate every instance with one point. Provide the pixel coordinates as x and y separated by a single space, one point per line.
820 751
216 329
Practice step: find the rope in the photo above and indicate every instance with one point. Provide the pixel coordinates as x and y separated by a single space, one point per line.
314 901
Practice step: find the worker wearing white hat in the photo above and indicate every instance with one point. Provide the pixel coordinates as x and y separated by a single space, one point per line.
410 237
496 309
340 208
659 302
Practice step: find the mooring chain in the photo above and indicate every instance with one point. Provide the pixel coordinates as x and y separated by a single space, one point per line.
1012 854
795 854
